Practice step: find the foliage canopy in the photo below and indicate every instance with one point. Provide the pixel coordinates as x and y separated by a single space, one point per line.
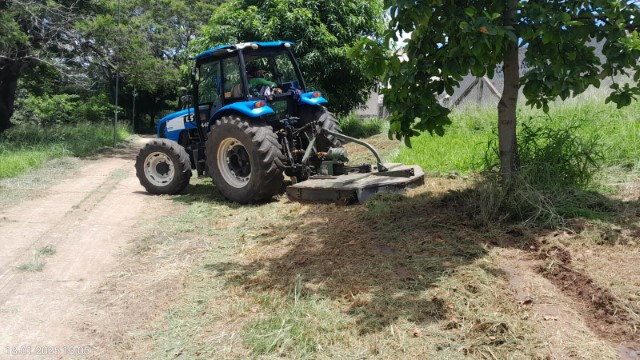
322 30
449 40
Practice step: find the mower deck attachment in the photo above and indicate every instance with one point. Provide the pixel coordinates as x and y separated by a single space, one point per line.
357 187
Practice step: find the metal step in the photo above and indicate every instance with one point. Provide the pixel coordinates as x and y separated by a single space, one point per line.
357 187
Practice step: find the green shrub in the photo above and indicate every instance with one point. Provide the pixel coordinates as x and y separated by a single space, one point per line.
61 109
554 181
554 157
355 127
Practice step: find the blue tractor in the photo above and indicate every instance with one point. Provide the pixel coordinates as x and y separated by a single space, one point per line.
250 121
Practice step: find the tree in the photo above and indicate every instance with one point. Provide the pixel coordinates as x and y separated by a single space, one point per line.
450 39
34 32
322 30
147 49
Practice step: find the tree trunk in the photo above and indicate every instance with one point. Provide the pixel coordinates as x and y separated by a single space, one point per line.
152 120
9 75
507 142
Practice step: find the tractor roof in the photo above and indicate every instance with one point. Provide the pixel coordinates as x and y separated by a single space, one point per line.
224 49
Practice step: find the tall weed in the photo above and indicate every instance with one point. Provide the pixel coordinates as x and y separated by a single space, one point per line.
552 157
554 181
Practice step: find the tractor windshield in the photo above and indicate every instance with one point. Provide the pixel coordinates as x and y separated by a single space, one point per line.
273 69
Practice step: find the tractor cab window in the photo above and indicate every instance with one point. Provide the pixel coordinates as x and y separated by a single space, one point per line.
274 70
209 85
232 80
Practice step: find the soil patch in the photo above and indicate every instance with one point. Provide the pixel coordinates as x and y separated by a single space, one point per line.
607 316
552 312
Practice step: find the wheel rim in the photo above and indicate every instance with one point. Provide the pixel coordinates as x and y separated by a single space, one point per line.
234 162
159 169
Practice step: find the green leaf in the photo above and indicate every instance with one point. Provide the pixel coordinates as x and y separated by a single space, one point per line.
449 89
407 141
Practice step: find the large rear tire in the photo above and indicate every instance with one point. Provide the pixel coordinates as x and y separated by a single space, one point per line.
163 167
329 122
244 159
326 120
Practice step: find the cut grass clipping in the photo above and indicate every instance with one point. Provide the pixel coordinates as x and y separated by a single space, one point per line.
25 147
323 281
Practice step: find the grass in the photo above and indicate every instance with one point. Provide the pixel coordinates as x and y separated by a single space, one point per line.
38 262
400 277
34 183
463 147
303 281
354 126
25 146
568 158
297 324
47 250
34 265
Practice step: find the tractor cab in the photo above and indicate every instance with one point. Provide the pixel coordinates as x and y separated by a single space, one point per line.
256 79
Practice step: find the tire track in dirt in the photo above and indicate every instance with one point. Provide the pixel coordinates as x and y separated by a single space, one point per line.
580 318
87 219
568 336
605 314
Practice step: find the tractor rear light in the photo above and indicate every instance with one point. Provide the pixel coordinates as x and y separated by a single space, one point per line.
316 94
259 104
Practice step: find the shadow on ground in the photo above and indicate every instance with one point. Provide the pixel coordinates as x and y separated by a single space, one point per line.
377 259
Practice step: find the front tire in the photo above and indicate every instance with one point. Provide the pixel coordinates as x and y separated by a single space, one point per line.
163 167
244 159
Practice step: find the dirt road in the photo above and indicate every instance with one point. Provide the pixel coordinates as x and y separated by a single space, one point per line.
73 233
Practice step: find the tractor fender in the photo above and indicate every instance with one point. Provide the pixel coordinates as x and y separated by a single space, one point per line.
307 98
171 126
247 108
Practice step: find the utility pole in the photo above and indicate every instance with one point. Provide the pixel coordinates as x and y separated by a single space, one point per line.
134 109
115 119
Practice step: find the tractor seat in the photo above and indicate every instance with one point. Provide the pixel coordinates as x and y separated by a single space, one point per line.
236 92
